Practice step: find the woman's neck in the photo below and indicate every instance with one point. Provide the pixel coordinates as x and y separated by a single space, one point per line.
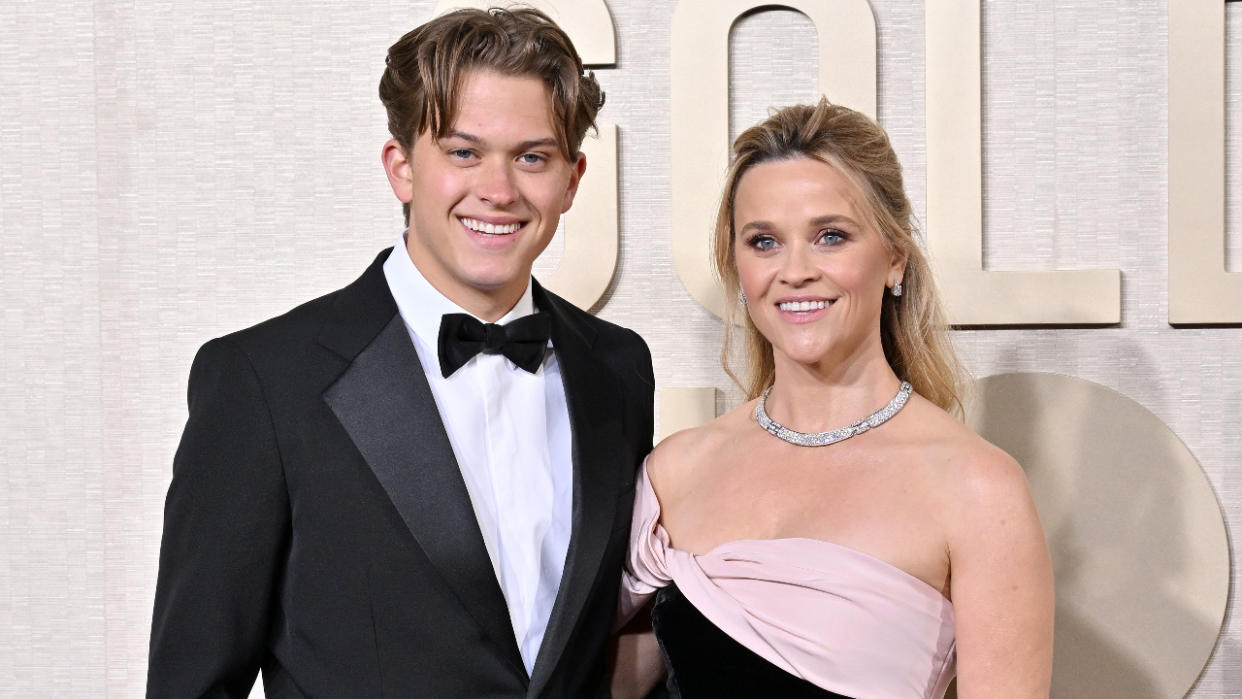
817 398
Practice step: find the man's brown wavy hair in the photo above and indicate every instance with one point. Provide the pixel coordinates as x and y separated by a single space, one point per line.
426 67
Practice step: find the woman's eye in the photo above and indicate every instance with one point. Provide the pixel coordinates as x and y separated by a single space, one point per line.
831 237
762 242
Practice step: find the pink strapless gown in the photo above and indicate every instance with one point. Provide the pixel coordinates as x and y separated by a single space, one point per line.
834 616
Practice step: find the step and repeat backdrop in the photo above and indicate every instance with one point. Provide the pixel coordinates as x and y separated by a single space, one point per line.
172 171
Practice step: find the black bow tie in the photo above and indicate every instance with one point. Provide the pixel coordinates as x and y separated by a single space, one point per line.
523 341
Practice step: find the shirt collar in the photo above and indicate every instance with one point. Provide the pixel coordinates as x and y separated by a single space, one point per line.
422 305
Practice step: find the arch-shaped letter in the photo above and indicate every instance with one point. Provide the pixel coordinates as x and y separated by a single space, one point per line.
1201 291
972 295
590 227
700 128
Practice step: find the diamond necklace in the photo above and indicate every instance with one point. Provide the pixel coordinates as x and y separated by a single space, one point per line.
821 439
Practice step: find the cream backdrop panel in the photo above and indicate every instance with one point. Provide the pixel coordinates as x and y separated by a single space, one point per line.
171 171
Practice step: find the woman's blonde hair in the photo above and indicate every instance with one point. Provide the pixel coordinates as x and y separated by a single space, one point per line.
913 331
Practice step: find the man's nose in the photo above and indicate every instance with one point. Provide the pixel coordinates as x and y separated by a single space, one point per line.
496 185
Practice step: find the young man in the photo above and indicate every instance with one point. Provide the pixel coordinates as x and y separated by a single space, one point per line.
420 485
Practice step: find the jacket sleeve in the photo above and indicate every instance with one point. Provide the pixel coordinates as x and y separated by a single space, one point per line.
646 395
226 531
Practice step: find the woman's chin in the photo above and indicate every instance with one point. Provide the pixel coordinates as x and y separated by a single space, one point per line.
807 356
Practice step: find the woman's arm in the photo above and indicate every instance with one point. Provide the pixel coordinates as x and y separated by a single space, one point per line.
636 664
1000 581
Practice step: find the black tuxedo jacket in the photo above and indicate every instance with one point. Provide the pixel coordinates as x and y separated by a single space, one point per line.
318 528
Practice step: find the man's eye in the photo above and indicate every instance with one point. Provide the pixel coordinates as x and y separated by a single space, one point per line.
531 158
461 153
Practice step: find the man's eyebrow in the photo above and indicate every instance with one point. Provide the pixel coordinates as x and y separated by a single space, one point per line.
463 136
523 146
538 143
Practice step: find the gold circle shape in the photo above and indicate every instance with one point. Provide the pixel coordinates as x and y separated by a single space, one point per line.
1136 534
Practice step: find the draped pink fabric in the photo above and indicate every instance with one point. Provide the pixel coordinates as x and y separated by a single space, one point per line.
837 617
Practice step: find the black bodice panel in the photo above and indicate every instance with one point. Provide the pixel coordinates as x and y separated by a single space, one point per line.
704 661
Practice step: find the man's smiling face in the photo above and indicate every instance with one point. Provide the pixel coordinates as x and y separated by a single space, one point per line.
485 200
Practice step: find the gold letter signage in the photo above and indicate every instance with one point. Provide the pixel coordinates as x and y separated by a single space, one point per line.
973 295
1201 291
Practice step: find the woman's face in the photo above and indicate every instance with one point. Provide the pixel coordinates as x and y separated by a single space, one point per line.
813 270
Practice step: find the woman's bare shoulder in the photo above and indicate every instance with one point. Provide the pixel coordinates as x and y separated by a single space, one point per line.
978 481
970 468
680 456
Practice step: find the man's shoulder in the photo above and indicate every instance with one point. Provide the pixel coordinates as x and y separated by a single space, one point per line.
602 329
299 323
362 307
617 345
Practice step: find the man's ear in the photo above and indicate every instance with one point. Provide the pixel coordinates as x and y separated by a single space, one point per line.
397 167
574 180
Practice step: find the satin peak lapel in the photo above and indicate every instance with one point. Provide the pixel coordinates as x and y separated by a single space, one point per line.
385 404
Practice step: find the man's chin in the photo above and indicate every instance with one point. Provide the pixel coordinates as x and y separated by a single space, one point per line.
497 284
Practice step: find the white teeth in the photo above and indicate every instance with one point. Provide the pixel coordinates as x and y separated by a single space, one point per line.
803 306
490 228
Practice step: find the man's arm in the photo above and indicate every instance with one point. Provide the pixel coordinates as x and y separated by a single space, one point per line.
226 526
646 374
635 664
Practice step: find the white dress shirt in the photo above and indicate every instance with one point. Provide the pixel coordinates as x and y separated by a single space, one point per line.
510 433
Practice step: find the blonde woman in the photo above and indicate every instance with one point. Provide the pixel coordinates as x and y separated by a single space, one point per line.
841 533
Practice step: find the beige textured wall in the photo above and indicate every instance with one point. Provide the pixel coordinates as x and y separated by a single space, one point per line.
170 171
